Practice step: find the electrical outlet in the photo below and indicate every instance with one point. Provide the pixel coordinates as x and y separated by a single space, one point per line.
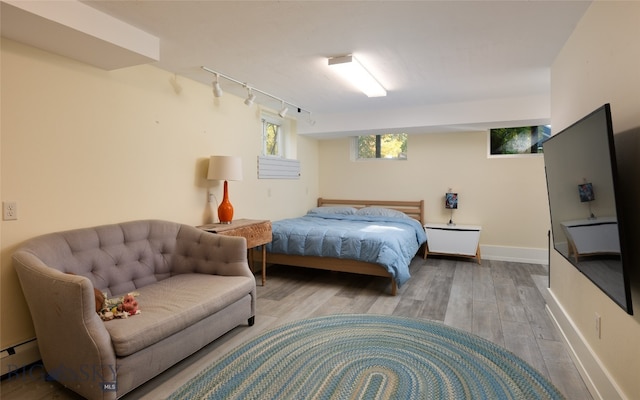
9 210
598 325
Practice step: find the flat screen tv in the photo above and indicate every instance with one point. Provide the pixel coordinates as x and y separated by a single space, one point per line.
585 203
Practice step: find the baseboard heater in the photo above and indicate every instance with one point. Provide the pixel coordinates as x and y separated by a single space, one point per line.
16 357
278 168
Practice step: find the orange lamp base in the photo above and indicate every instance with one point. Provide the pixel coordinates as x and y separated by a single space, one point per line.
225 210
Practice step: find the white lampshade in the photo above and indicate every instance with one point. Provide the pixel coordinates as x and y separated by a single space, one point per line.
225 168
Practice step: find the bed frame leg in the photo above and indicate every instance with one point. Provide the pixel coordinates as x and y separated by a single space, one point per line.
394 287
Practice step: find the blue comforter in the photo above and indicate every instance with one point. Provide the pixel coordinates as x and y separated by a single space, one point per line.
388 241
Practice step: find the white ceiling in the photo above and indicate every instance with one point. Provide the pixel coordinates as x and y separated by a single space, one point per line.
447 65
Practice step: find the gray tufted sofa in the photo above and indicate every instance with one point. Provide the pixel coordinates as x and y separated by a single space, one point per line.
193 287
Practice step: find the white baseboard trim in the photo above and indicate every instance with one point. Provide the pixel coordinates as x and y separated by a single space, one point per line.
16 357
596 377
515 254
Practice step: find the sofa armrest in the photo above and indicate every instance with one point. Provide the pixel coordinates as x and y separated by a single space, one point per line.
203 252
62 308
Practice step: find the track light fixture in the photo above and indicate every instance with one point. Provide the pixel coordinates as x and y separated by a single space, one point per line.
251 97
311 121
217 90
177 88
283 111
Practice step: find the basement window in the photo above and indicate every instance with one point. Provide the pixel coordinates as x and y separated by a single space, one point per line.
515 142
278 158
388 146
272 133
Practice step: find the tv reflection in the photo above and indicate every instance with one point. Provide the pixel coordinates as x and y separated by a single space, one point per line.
592 244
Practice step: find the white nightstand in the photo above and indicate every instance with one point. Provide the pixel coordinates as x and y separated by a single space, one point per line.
587 237
454 240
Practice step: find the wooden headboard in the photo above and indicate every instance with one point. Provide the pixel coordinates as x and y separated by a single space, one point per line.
414 209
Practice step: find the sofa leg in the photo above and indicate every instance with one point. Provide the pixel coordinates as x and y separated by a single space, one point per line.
252 320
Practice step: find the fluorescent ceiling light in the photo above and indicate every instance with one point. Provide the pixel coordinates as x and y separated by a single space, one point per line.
351 69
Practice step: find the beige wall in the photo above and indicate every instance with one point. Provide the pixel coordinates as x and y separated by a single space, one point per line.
82 146
599 64
506 196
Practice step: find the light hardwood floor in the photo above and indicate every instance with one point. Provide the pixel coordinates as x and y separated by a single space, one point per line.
500 301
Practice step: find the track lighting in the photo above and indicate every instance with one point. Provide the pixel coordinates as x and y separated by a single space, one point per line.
174 84
283 110
217 90
311 121
251 97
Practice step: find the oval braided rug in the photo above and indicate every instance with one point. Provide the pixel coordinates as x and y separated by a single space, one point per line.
368 357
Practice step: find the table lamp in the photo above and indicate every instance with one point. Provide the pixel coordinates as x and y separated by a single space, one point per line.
225 168
585 191
451 203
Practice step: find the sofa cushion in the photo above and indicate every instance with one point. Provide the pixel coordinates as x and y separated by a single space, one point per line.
173 304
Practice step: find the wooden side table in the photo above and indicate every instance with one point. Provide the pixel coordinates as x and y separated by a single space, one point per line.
257 233
455 240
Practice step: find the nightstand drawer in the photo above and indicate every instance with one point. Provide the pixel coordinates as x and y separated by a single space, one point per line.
453 242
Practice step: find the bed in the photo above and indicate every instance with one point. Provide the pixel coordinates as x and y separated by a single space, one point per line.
369 237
